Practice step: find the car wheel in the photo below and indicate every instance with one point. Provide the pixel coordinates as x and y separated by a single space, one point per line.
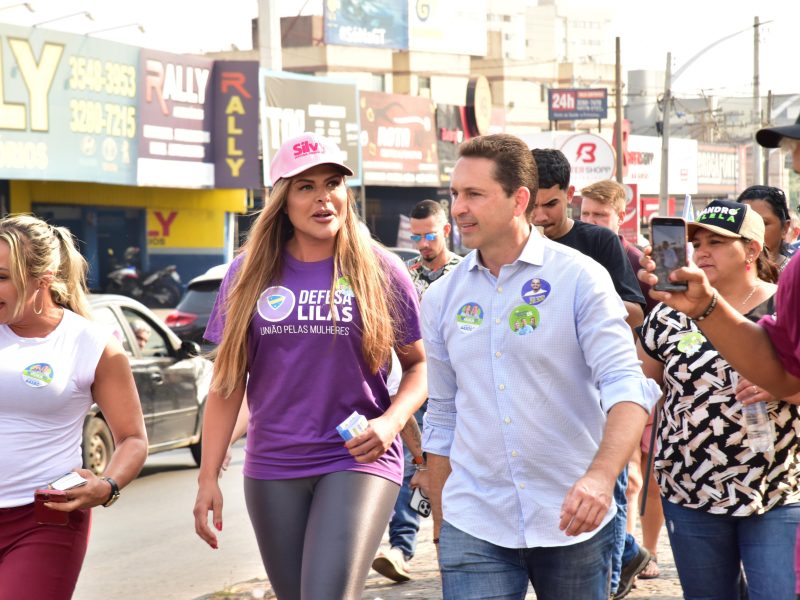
98 445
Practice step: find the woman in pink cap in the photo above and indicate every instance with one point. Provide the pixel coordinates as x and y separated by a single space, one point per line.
305 320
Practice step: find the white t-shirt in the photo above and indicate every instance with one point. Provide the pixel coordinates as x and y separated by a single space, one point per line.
45 392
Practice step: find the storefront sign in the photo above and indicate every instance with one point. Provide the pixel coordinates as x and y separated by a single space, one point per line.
450 133
373 23
573 104
176 115
717 169
398 140
236 125
67 107
293 104
591 158
644 164
185 228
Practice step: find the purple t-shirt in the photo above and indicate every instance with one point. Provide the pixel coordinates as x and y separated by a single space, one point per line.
307 375
784 327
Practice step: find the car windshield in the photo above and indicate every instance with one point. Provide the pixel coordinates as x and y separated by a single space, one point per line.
199 299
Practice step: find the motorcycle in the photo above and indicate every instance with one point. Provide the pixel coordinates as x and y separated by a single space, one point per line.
158 289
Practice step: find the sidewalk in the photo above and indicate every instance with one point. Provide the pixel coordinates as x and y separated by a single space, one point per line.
425 584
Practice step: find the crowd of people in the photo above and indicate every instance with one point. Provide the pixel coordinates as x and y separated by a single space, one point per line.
539 386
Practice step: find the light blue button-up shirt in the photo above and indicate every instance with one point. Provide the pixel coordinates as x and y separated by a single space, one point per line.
521 413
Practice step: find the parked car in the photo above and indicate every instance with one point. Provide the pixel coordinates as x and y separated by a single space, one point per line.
190 317
171 377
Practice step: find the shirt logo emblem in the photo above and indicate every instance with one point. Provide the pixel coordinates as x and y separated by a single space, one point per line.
37 375
276 303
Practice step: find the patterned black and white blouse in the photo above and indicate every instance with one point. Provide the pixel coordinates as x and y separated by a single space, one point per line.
702 459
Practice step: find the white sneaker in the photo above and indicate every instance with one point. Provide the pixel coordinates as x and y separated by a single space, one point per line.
392 564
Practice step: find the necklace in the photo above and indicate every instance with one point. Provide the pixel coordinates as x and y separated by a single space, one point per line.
750 295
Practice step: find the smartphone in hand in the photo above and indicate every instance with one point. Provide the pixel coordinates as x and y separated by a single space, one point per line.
420 503
48 516
668 240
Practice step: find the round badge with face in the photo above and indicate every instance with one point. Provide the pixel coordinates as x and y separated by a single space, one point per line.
690 343
276 303
344 287
469 317
535 290
524 319
37 375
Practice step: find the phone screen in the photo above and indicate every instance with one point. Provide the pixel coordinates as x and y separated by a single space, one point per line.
668 238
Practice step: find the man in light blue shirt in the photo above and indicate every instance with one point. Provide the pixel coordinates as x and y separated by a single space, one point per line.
528 432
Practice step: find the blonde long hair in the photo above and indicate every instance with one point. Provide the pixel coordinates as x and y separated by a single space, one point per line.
39 250
354 255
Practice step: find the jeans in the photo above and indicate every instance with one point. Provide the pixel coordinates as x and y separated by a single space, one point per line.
710 551
625 546
475 569
404 526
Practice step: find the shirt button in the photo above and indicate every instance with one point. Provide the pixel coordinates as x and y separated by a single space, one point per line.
500 289
497 321
507 420
501 387
522 486
498 354
514 453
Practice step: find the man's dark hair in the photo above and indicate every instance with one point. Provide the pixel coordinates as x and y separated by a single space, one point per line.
428 208
513 165
553 168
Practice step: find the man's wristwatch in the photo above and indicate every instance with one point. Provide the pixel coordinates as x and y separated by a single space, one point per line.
114 491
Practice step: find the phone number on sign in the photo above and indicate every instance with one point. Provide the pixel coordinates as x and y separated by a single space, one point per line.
95 75
98 117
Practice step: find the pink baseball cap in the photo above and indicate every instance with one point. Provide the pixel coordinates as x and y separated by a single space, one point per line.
303 152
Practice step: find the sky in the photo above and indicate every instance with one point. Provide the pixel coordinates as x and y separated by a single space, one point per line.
647 29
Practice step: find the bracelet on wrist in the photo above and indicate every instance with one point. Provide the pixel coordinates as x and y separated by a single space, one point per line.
422 467
711 306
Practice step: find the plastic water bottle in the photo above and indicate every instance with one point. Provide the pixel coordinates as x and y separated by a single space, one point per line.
760 433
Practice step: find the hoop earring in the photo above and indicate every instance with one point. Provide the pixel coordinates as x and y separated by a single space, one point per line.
41 309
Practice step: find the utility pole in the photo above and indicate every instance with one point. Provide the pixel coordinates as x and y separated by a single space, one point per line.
767 152
618 125
663 195
269 36
757 166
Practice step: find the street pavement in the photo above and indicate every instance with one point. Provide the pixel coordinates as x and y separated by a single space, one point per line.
425 584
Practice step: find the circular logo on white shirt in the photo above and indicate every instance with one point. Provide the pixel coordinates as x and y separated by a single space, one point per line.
37 375
276 303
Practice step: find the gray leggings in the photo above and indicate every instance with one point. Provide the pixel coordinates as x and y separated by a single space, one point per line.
318 535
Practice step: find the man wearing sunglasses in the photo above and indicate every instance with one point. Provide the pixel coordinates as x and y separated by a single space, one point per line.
429 231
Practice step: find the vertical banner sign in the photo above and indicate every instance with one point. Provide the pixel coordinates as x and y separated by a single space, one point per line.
293 104
630 226
450 133
67 107
176 115
398 140
373 23
235 103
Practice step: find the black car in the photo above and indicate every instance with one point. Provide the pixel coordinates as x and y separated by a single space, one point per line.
190 317
171 377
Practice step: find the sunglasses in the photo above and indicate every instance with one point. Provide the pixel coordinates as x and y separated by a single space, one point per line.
428 236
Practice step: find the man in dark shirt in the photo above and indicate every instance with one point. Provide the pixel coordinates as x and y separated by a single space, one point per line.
550 213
